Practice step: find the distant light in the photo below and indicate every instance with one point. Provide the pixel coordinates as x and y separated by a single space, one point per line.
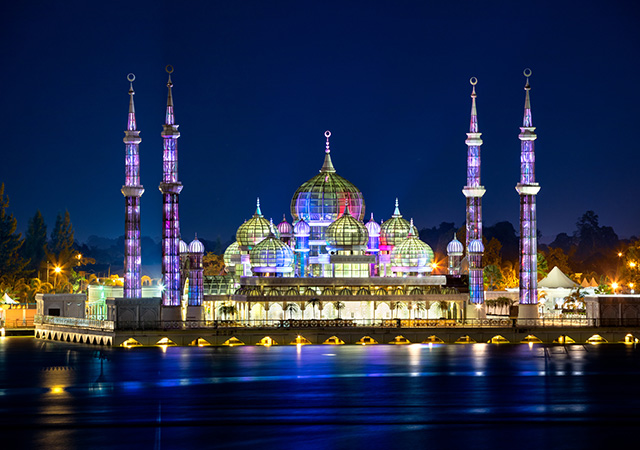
614 285
57 269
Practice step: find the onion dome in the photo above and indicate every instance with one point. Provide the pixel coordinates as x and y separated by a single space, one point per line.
233 249
271 253
324 197
346 231
285 227
196 246
412 252
455 247
373 227
476 246
394 230
184 248
253 230
301 228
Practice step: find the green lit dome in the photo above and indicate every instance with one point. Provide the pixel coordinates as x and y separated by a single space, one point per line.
346 231
396 229
325 196
271 253
233 249
253 230
412 252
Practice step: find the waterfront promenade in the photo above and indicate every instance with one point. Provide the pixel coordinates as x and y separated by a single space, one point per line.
358 332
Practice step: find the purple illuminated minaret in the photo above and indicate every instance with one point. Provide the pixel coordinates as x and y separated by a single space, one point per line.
132 191
474 191
170 188
527 189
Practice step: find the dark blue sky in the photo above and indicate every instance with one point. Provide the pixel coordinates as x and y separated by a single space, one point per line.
257 83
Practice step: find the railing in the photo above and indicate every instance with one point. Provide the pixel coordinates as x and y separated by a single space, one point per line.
103 325
377 323
17 323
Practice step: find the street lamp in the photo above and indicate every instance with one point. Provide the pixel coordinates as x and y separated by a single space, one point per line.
614 285
57 270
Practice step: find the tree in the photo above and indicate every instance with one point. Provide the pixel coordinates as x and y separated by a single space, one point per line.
314 302
339 306
542 266
492 253
227 310
213 264
12 264
35 243
62 235
291 308
395 306
556 257
493 278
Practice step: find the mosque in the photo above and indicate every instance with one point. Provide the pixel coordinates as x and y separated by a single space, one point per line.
325 264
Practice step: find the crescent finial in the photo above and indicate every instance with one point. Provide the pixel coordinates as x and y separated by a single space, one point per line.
473 81
169 69
131 78
527 72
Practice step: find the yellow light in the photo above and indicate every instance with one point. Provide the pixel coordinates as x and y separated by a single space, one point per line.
614 286
478 306
619 254
57 269
632 264
631 285
57 389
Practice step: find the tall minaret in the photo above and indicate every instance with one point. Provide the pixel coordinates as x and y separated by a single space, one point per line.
528 188
170 188
474 191
132 191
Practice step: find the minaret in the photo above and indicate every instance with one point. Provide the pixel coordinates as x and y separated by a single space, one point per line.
474 191
527 189
170 188
132 191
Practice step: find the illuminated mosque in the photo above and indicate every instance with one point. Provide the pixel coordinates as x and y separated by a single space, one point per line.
325 264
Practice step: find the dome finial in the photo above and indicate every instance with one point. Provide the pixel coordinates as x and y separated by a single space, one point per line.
474 113
328 165
396 212
327 134
169 119
258 212
527 122
411 228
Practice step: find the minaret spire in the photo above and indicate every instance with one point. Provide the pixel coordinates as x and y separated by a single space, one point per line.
170 188
132 191
527 188
474 191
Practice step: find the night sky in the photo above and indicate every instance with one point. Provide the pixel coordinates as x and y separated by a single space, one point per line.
257 83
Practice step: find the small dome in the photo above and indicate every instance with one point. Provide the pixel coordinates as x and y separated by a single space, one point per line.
253 230
271 252
233 249
476 246
301 228
412 252
285 227
373 227
196 246
346 231
184 248
396 229
324 197
455 247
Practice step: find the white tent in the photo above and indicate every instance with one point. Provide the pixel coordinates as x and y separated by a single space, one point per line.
8 300
556 279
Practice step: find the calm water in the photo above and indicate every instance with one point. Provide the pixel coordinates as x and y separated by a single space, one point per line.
62 396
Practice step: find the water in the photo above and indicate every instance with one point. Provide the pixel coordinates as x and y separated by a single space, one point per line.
62 396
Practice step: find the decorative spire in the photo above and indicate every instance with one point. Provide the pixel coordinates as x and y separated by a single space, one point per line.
131 123
327 167
258 212
473 126
396 212
169 120
527 121
410 229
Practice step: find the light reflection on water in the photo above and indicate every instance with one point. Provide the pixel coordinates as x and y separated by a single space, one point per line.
384 396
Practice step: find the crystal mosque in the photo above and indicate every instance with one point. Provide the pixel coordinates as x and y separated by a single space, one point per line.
326 261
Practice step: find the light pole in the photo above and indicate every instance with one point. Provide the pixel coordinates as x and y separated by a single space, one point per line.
57 270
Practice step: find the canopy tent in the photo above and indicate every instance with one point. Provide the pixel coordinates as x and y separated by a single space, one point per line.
8 300
556 279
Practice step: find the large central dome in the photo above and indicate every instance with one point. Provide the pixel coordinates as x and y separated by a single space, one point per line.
325 196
